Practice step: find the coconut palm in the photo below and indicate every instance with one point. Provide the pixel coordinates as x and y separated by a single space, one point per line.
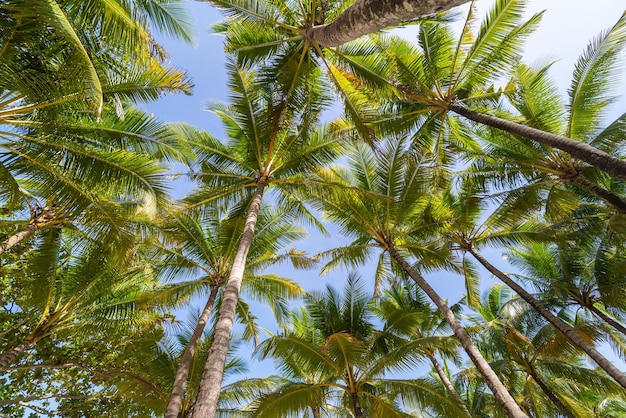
271 144
74 35
279 39
338 358
586 275
76 286
202 248
410 317
446 76
534 175
552 377
66 112
392 218
468 233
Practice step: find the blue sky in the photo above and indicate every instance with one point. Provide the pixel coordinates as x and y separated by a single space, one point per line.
565 31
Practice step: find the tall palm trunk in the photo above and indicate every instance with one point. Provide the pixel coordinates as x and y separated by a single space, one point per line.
211 381
176 398
448 385
612 322
368 16
555 400
7 358
569 332
500 392
358 412
36 223
580 150
613 199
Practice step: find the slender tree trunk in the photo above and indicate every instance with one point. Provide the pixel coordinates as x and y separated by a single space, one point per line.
7 358
358 412
176 398
580 150
613 199
211 381
499 391
315 411
449 386
612 322
35 224
368 16
555 400
570 332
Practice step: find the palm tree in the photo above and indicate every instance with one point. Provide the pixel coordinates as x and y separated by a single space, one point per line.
468 234
409 316
271 144
390 218
539 174
202 248
367 16
585 275
446 76
279 39
74 286
58 70
75 35
520 343
338 354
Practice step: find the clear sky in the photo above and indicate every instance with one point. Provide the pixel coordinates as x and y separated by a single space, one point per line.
566 29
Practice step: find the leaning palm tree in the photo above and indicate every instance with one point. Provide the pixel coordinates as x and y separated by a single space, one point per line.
271 144
289 43
547 368
444 76
339 359
468 233
586 275
535 175
202 248
392 218
62 130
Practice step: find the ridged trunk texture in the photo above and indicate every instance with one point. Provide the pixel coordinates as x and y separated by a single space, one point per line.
569 332
178 391
449 386
585 152
7 358
368 16
500 392
358 412
211 381
46 216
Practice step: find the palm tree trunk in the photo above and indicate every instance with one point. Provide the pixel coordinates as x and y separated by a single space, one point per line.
499 391
613 199
449 386
36 223
176 398
585 152
358 412
555 400
612 322
7 358
569 332
368 16
211 381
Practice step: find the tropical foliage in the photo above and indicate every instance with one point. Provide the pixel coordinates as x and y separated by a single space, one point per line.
117 300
